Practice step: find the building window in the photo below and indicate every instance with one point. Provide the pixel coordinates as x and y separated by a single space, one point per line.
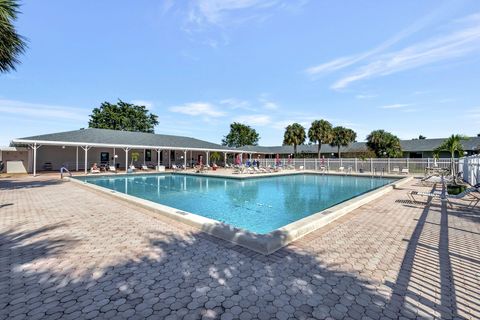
104 157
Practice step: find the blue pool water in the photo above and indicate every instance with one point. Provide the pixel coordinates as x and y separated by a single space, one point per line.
259 205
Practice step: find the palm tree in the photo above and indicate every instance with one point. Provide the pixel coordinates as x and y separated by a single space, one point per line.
342 137
452 144
294 135
320 132
11 43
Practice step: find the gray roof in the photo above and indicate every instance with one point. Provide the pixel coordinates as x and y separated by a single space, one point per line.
124 138
471 144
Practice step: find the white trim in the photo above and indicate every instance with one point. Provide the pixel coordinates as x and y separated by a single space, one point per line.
110 145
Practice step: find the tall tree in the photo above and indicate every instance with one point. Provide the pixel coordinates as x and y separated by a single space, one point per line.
123 116
11 43
321 131
384 144
453 145
294 135
342 137
240 135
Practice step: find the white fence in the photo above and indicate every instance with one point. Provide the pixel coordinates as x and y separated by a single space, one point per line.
374 165
470 166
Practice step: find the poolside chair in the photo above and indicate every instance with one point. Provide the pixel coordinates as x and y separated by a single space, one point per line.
396 170
341 169
144 168
405 171
175 168
472 195
112 168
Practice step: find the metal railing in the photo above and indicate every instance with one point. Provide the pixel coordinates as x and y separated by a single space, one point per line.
372 165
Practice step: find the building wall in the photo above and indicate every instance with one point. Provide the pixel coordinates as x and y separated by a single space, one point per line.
22 156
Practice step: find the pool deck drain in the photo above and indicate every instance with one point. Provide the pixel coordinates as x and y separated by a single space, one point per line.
261 243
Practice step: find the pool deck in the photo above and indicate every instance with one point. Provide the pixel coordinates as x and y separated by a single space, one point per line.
70 252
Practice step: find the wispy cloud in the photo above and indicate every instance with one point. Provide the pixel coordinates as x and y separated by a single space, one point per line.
219 12
366 96
254 119
149 104
457 44
395 106
234 104
43 111
344 62
198 109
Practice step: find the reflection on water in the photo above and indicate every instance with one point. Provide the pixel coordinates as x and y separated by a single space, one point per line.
259 205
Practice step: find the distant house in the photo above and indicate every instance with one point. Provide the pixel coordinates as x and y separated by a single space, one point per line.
411 149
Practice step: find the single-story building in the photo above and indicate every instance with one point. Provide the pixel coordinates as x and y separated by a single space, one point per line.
78 150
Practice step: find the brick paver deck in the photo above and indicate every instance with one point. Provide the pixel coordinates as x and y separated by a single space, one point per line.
69 252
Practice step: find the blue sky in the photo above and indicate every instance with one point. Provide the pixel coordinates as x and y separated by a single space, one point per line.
409 67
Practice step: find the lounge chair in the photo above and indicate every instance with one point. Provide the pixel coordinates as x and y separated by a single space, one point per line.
396 170
405 171
472 195
112 168
341 169
145 168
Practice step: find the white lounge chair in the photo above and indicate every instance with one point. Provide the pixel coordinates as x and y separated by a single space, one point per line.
145 168
405 171
112 168
472 195
341 169
396 170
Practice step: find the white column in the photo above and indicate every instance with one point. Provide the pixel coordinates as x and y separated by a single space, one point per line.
169 158
126 159
207 160
34 159
158 158
114 159
356 165
144 155
86 155
185 158
225 159
76 163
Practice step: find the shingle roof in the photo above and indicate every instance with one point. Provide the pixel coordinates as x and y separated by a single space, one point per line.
113 137
407 145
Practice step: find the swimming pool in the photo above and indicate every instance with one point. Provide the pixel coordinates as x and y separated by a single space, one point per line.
260 205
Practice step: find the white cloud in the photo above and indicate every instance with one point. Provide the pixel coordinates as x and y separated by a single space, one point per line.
218 12
454 45
198 109
343 62
44 111
149 104
234 104
366 96
254 119
395 106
